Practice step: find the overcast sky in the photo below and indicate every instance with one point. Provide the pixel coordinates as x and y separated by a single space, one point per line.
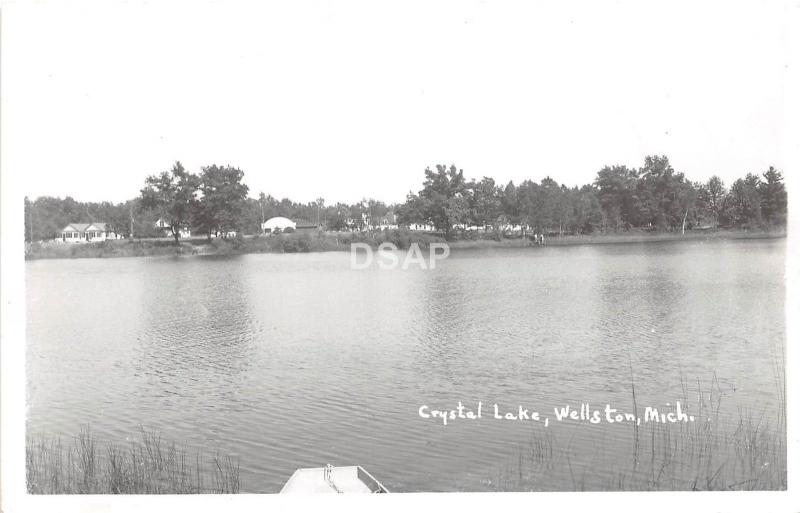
347 100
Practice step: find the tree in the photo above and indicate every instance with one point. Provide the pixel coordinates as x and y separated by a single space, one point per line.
485 204
589 214
745 201
118 217
529 202
510 205
716 194
655 189
171 194
413 211
262 199
687 199
773 197
663 193
337 217
444 198
617 188
552 205
222 200
320 211
375 211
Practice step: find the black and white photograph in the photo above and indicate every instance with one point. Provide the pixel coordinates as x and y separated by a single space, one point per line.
499 253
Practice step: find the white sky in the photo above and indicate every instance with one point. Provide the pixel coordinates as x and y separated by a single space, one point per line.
346 100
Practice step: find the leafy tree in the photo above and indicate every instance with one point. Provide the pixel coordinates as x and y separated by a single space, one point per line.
529 202
715 189
413 211
320 211
687 200
660 188
588 213
338 217
222 201
617 188
485 203
171 194
619 198
444 198
375 211
551 204
510 205
745 201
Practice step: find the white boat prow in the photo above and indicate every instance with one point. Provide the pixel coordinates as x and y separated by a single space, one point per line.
329 479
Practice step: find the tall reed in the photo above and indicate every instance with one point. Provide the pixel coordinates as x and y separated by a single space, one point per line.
148 465
716 452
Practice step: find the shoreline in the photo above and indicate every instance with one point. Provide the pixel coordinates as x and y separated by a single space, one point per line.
334 241
621 238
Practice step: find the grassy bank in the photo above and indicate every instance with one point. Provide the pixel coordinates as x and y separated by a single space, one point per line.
306 242
710 454
298 242
632 237
145 466
109 249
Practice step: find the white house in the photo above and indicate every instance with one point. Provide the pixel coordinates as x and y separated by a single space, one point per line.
386 222
82 232
416 227
277 223
389 222
163 226
225 235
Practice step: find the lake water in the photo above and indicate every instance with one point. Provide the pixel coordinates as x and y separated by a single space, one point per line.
289 361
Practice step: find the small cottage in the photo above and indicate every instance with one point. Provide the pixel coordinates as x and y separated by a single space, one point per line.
83 232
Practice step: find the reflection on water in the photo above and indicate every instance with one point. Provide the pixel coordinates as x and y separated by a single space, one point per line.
294 360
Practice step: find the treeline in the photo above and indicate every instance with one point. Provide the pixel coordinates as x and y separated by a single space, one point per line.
213 201
652 197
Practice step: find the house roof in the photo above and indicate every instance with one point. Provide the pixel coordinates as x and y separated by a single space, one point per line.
82 227
78 227
278 221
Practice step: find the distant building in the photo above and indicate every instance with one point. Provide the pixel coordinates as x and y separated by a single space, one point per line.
226 235
281 224
83 232
388 222
163 227
277 225
305 224
513 228
385 222
419 227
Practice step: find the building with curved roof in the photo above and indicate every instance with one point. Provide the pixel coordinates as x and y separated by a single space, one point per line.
278 224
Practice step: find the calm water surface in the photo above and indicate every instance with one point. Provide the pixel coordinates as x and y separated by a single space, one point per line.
289 361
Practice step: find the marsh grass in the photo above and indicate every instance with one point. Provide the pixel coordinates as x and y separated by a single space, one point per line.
148 465
746 451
